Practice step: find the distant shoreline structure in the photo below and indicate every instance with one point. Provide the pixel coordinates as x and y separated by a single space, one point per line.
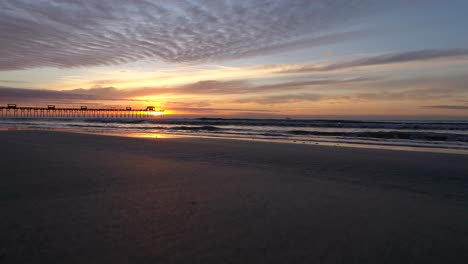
51 111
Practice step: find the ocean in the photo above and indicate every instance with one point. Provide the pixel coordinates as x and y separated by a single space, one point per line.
416 134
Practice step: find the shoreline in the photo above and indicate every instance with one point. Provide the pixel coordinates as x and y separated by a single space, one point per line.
346 144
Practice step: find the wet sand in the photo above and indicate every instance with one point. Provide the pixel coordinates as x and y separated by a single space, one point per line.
77 198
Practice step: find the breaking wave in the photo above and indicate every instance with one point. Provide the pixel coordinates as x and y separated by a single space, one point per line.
407 125
445 134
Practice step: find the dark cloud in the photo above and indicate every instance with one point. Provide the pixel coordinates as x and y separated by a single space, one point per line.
245 91
72 33
390 58
212 87
17 94
281 99
450 107
209 87
430 88
12 81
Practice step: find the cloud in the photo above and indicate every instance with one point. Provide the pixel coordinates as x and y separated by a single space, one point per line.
13 95
72 33
383 59
450 107
247 91
306 42
208 87
212 87
282 99
12 81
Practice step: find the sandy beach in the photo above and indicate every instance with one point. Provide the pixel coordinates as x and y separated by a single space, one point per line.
78 198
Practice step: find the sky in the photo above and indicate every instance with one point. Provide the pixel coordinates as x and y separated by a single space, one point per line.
238 58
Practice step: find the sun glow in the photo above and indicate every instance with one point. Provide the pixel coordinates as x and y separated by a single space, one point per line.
160 113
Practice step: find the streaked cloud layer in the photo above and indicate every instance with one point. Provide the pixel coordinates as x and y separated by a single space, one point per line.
385 59
277 57
87 32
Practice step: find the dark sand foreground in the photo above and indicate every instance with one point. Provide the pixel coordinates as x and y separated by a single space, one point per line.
75 198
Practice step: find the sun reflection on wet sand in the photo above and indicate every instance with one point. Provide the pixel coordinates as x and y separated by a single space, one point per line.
149 135
129 134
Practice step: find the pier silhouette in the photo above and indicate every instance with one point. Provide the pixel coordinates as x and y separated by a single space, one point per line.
51 111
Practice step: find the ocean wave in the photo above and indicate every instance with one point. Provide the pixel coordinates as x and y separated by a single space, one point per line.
403 125
196 128
356 130
350 124
117 121
426 136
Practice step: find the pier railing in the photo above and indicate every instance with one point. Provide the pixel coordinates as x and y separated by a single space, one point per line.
51 111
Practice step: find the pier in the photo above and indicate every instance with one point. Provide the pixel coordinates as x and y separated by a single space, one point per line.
51 111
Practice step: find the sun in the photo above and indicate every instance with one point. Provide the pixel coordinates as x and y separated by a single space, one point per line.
158 113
